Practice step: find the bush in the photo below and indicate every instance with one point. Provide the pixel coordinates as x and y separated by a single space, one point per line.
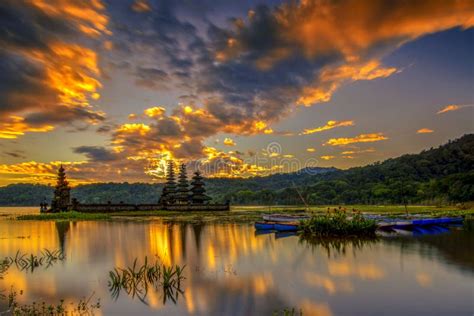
338 224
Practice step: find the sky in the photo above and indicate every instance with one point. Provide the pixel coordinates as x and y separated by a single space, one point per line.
114 89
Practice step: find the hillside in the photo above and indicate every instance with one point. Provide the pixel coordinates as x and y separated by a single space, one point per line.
438 175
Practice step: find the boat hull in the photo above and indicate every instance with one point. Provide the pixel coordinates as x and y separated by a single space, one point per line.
284 217
264 226
286 227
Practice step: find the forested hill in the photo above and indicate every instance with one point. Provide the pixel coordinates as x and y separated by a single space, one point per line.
440 175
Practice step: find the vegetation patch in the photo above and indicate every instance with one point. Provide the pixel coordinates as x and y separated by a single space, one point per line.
70 216
338 224
136 280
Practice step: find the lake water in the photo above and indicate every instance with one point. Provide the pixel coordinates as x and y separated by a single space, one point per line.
232 271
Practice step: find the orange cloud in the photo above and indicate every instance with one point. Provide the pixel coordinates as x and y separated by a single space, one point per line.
329 125
88 16
36 172
155 111
141 6
424 131
453 107
327 157
363 138
229 142
16 126
310 150
351 152
331 79
134 128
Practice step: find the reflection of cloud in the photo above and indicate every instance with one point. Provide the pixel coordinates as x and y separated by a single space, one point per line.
424 279
363 138
363 271
331 286
315 309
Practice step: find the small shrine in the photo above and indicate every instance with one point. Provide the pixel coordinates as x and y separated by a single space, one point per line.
62 193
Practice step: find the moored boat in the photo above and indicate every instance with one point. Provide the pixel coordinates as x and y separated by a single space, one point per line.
264 225
286 227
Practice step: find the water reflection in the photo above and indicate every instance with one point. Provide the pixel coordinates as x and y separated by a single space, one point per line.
232 271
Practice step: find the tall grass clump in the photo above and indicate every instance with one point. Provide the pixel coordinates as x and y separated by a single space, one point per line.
338 224
136 280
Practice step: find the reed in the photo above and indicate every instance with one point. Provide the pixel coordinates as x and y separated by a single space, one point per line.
136 280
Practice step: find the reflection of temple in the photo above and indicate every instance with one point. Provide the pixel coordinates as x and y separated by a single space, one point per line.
175 196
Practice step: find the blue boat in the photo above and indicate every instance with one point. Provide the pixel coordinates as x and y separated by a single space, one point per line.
264 225
286 227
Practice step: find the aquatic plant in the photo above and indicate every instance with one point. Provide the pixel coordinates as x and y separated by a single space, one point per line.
136 280
83 307
31 262
338 223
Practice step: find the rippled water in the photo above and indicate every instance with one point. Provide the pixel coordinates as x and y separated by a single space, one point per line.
232 271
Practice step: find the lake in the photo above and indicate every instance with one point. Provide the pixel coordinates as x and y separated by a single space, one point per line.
232 271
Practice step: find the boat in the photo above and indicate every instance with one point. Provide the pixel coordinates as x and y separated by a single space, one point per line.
286 227
264 225
284 217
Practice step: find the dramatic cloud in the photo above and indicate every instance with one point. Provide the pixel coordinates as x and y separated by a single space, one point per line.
363 138
424 131
239 78
329 125
47 79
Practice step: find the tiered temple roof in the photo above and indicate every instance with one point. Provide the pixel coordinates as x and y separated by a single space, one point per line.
198 191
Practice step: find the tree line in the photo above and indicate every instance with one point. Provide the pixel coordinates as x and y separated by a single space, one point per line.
435 176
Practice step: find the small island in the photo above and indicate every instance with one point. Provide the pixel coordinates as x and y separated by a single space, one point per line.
176 196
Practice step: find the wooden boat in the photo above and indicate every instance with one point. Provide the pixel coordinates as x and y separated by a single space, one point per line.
284 217
286 227
423 222
264 225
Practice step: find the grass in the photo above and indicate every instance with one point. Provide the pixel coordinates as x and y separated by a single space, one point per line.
338 224
63 216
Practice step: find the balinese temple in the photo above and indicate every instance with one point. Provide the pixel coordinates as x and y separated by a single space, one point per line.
62 193
180 196
183 194
198 192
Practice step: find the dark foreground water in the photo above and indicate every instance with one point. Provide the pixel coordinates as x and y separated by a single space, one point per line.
231 271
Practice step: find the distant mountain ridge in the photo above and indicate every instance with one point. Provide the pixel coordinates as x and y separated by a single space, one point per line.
438 175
